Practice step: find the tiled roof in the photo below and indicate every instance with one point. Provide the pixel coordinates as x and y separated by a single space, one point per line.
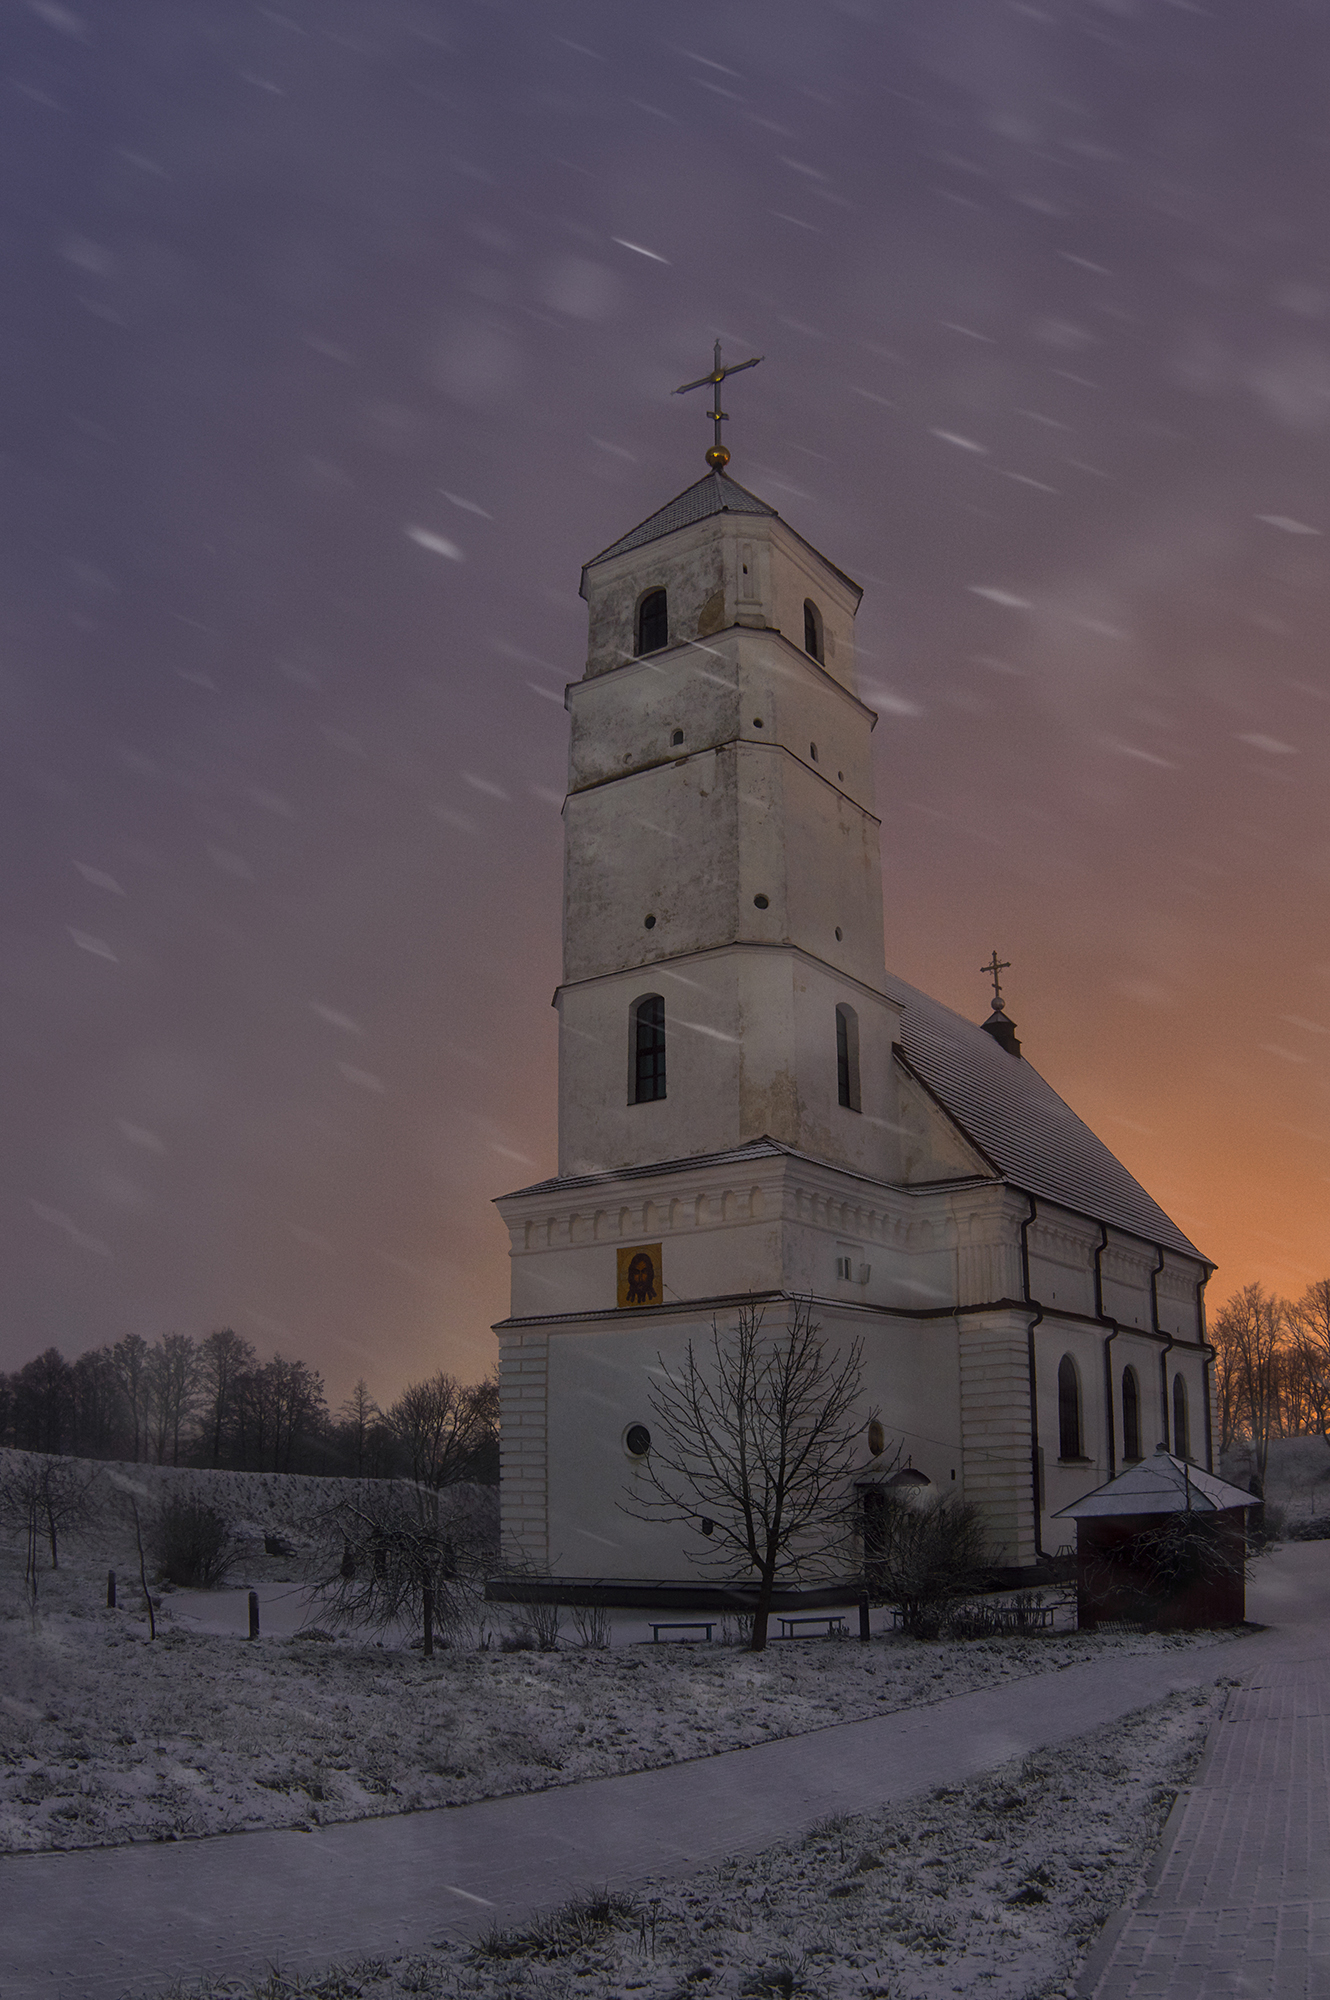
758 1149
1160 1484
714 494
1033 1139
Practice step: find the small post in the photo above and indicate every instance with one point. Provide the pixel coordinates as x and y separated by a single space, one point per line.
428 1594
253 1614
110 1590
864 1629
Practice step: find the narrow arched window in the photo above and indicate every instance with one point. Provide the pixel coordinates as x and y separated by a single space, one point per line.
1181 1427
653 622
847 1057
1131 1414
812 629
648 1024
1069 1409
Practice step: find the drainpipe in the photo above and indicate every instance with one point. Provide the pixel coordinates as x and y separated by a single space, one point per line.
1206 1364
1164 1352
1108 1343
1034 1402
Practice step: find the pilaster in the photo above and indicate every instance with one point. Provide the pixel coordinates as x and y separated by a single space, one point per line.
995 1431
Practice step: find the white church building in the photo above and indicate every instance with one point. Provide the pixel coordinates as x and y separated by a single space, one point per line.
751 1107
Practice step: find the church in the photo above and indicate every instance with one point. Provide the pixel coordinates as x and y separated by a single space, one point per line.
752 1108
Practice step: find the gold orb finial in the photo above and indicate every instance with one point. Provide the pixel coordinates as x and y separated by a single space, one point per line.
717 458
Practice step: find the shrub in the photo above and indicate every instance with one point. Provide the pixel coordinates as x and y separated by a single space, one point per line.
191 1543
925 1557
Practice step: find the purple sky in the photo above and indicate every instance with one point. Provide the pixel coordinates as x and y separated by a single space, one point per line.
1044 292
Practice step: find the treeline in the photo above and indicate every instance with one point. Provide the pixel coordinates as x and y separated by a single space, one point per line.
214 1402
1272 1367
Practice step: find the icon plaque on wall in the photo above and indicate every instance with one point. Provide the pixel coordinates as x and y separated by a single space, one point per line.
640 1275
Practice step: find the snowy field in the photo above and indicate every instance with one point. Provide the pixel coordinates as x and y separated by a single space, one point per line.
997 1887
1297 1476
107 1736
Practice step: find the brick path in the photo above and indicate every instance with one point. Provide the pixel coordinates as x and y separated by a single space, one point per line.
1237 1900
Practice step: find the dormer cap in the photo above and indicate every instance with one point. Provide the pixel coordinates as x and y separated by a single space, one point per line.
715 493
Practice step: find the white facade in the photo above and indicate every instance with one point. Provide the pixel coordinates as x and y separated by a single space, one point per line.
925 1188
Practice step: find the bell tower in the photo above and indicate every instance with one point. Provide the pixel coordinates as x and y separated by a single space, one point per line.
723 971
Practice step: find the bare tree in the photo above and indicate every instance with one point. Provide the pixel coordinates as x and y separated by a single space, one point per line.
440 1424
754 1445
399 1554
44 1497
130 1359
224 1357
171 1376
1249 1331
1309 1324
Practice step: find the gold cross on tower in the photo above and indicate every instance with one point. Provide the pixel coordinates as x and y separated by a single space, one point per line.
718 458
994 968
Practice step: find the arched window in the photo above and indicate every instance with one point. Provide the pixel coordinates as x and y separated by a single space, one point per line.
648 1049
653 622
1069 1409
847 1057
1181 1428
1131 1414
812 629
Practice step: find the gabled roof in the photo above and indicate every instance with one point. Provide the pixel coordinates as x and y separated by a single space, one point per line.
714 494
1160 1484
1004 1107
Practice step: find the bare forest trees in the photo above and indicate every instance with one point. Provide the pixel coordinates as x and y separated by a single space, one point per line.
753 1446
440 1425
1272 1367
215 1402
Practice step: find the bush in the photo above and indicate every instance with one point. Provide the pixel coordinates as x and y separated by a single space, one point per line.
923 1558
191 1543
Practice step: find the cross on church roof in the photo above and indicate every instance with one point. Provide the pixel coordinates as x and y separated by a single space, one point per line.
995 967
718 458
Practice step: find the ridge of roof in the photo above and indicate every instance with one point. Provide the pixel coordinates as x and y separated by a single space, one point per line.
714 493
1016 1119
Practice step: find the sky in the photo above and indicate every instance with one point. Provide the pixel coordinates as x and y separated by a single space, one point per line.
338 334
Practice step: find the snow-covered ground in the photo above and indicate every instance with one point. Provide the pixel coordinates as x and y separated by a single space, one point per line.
1297 1476
107 1736
996 1887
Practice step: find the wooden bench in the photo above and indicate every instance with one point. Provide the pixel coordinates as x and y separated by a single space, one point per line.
703 1625
834 1623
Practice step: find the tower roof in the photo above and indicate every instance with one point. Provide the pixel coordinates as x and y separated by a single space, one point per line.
715 493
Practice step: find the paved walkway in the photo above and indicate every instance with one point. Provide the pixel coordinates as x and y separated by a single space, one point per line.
1237 1900
96 1923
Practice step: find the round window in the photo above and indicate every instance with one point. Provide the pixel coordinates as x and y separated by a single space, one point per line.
637 1440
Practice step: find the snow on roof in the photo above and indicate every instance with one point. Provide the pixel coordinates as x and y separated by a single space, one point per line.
714 494
1033 1139
1161 1484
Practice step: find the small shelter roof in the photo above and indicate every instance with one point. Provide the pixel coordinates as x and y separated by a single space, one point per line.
1160 1484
